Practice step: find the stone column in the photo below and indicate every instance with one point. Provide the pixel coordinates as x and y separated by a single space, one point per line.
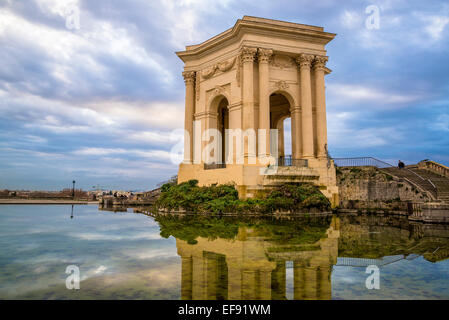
281 148
278 281
189 79
320 101
186 278
264 56
234 280
247 55
198 278
299 281
305 61
264 285
295 113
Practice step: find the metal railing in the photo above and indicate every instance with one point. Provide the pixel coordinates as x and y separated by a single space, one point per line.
365 262
288 161
373 162
361 162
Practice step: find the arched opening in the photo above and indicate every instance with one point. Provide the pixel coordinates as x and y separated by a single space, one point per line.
222 125
280 120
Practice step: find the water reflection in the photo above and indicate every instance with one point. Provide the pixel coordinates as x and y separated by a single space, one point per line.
125 255
248 259
235 258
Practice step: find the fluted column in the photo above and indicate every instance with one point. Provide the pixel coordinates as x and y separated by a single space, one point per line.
320 102
189 79
305 61
247 55
264 97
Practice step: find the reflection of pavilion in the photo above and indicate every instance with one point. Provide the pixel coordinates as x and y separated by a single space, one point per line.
252 267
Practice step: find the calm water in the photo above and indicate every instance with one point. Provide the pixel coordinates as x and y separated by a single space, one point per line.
134 256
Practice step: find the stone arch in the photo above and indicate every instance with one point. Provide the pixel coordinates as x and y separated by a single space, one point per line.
218 118
281 106
287 94
215 100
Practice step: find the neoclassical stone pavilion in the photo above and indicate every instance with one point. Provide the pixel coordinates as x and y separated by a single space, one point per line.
252 77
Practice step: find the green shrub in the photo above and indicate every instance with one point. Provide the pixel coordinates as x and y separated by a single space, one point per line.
224 199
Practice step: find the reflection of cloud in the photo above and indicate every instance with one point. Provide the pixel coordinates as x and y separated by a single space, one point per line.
152 253
345 274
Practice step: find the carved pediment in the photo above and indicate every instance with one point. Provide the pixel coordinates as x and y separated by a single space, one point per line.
217 90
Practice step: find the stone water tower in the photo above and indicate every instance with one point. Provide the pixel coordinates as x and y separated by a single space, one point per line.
240 87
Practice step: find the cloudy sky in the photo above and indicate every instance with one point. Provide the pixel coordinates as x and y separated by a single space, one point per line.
99 103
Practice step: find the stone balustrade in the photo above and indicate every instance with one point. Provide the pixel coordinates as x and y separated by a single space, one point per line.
434 167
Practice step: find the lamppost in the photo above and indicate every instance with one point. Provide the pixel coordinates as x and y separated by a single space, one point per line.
73 189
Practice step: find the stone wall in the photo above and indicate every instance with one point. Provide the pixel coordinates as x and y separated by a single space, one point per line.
370 188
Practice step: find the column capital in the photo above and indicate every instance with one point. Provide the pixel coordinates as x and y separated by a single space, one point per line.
320 63
264 55
304 60
189 77
248 54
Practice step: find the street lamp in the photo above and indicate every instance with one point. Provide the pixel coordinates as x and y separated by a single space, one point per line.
73 189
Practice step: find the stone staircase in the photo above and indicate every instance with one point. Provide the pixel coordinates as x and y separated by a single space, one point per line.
291 174
434 184
440 182
283 175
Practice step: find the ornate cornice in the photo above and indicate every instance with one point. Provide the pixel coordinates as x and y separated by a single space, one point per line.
305 60
320 63
252 24
248 54
264 55
189 77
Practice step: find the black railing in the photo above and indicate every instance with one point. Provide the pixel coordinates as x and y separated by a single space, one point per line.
288 161
361 162
285 161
